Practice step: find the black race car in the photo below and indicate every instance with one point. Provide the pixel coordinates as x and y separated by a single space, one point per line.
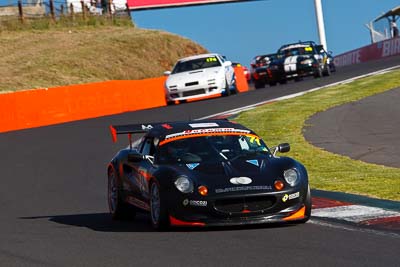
259 68
205 173
298 60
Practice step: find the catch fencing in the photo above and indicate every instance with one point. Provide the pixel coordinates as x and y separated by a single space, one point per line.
56 9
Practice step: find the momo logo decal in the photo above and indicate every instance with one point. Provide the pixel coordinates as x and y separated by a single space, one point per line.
198 203
240 180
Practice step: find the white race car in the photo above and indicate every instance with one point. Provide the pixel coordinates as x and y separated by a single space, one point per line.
200 76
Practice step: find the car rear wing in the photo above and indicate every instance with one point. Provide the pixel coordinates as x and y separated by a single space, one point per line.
129 129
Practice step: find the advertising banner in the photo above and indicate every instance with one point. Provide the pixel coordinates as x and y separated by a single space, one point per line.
379 50
154 4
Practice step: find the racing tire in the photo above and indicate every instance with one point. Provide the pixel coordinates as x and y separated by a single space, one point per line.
227 89
318 73
327 71
119 209
158 211
259 84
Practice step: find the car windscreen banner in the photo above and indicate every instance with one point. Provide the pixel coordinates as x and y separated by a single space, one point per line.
155 4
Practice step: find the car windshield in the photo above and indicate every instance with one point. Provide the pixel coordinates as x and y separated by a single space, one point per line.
211 149
295 51
196 64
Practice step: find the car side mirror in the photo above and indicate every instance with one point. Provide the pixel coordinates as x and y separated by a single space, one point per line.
167 73
282 148
227 63
135 157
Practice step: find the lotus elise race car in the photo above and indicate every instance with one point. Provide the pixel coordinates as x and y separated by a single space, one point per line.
205 173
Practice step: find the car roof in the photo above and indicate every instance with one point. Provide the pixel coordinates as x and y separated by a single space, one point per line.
296 45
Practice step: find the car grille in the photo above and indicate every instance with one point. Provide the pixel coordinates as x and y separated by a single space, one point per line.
245 204
194 92
191 83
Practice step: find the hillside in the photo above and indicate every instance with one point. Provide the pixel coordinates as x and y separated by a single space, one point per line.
53 57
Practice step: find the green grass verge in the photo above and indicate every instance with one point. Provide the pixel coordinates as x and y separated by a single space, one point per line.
284 121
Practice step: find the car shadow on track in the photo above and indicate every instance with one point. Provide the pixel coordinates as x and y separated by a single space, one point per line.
104 223
100 222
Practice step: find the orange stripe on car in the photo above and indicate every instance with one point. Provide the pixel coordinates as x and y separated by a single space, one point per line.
176 222
297 215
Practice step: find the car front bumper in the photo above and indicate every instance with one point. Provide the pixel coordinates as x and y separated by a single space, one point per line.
232 211
181 93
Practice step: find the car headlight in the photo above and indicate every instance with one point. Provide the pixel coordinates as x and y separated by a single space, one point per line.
291 176
184 184
307 62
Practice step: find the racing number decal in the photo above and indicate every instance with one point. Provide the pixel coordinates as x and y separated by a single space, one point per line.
308 49
211 59
255 139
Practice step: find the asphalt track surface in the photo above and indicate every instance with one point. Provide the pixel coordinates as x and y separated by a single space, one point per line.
54 207
366 130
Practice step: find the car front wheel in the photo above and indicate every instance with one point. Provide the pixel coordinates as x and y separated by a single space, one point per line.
327 71
227 89
318 72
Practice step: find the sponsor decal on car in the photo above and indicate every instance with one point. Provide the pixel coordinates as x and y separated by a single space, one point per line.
148 127
206 131
203 125
287 197
240 180
166 126
243 188
195 203
198 203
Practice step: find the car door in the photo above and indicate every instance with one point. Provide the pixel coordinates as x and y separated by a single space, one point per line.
145 168
137 170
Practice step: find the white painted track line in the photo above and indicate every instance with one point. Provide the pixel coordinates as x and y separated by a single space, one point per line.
353 213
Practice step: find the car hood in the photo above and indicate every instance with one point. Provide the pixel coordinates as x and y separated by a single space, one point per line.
191 76
291 59
259 173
